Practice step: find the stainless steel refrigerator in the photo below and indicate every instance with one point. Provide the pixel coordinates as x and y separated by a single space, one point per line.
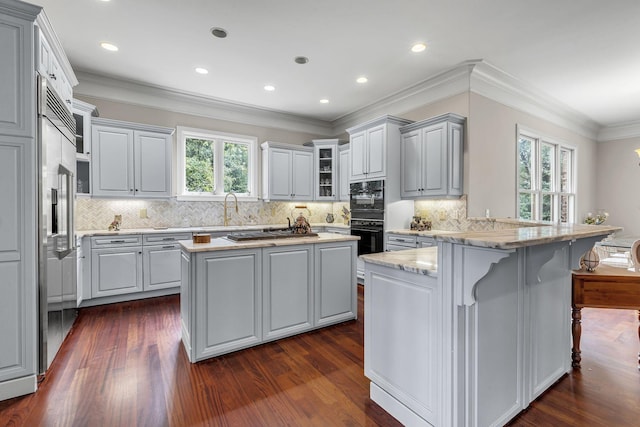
57 289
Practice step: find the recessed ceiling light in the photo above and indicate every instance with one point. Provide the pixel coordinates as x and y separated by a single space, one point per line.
201 70
269 88
301 59
219 32
362 79
418 47
108 46
324 101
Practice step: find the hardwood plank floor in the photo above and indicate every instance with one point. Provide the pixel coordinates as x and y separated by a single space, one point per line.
124 365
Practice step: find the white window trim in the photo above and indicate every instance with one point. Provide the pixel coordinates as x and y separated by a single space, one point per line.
542 138
183 132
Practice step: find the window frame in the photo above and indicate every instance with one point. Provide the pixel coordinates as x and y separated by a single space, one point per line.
219 138
537 194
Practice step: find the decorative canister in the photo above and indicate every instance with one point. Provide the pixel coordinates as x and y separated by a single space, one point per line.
329 218
590 260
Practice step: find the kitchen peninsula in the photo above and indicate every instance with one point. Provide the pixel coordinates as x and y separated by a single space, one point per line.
470 332
236 295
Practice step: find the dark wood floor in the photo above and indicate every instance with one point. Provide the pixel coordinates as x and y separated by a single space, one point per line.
124 365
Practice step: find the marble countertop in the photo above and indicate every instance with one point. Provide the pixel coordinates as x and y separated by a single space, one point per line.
419 261
517 237
222 243
201 229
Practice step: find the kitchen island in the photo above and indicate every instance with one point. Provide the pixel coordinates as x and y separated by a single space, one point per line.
470 332
235 295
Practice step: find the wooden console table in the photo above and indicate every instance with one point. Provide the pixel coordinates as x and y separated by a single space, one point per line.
606 287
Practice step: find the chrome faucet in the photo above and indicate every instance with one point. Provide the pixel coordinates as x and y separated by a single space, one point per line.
226 219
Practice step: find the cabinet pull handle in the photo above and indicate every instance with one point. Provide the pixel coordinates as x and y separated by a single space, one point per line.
169 247
168 238
117 241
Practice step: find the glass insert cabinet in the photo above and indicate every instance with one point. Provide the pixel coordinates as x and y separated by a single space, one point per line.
326 168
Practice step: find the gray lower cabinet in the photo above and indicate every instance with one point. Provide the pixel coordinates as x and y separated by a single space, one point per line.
228 301
335 282
287 281
238 298
161 260
116 271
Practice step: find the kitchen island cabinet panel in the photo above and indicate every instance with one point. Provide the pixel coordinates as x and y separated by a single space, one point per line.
288 290
335 286
396 339
228 298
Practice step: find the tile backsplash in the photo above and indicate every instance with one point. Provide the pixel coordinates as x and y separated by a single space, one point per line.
97 214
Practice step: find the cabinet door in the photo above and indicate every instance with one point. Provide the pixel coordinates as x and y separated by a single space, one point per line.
326 172
302 177
161 266
280 174
434 160
344 175
116 271
357 146
228 300
376 152
335 283
112 167
152 154
287 290
411 173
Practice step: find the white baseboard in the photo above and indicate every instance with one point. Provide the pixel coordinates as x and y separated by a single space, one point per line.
18 387
400 412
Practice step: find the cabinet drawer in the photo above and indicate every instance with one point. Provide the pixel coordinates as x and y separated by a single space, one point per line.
116 241
425 242
161 239
401 239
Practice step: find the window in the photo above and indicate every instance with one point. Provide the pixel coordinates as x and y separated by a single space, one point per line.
546 185
212 164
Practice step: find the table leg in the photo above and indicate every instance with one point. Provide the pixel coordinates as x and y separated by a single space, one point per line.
576 332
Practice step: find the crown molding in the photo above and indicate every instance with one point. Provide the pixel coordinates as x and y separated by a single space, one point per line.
493 83
619 131
441 86
143 94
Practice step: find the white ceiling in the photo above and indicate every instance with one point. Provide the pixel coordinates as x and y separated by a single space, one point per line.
584 53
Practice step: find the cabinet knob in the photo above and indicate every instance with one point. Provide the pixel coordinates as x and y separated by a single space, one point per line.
131 189
68 101
52 76
136 189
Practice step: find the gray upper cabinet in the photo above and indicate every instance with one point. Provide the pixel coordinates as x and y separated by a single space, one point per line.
287 172
432 157
130 160
373 146
343 169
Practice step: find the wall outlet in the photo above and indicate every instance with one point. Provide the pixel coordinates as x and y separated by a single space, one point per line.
143 213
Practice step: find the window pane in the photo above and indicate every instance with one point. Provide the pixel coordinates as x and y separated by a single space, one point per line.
546 167
526 206
199 165
564 209
525 171
236 167
565 171
547 207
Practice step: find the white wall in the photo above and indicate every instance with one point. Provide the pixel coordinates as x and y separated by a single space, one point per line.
490 176
618 183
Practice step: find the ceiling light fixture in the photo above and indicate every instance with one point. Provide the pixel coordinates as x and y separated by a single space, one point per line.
108 46
219 32
269 88
201 70
301 59
418 47
362 80
324 101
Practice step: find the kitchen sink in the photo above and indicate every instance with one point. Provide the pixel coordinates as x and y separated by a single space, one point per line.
264 235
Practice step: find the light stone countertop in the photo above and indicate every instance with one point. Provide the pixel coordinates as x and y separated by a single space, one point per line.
223 244
419 261
517 237
201 229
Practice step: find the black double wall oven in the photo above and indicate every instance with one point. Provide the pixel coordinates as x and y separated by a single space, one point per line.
367 215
